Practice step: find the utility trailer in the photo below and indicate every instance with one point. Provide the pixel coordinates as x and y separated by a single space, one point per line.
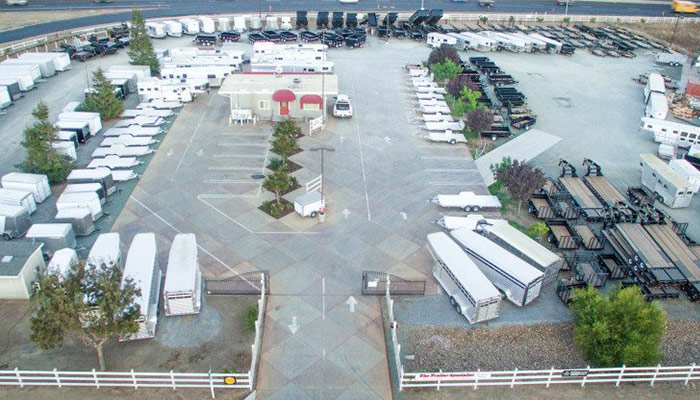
540 206
672 59
182 292
469 290
664 184
562 235
121 151
446 137
79 218
601 186
128 140
467 201
611 263
586 269
137 131
114 162
36 184
565 290
14 221
53 236
584 198
518 280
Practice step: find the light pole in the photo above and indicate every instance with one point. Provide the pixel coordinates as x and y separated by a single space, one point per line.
422 4
673 37
260 10
566 9
322 149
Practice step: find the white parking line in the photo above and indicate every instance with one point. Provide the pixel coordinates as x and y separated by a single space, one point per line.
362 157
184 153
474 170
230 155
219 181
225 168
243 144
442 158
455 184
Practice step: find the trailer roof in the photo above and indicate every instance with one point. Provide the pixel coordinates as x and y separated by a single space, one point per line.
503 259
7 210
141 262
656 83
605 189
22 177
62 261
105 250
462 267
580 192
182 264
14 256
664 170
89 173
73 212
12 194
77 197
58 230
686 167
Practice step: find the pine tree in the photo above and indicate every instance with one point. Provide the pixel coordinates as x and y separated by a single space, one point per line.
41 157
140 46
103 100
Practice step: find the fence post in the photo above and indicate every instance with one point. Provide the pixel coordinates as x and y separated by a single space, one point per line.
619 377
133 378
476 378
551 372
515 373
94 375
58 380
439 380
401 378
588 369
172 379
653 378
19 377
690 373
211 385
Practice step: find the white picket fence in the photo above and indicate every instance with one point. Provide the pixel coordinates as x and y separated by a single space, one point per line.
252 373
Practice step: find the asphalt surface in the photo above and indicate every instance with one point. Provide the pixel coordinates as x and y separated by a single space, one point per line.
166 8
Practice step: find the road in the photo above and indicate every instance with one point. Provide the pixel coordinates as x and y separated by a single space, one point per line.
165 8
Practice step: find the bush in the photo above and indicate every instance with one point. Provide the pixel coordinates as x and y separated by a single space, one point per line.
454 85
251 315
484 20
443 53
276 163
276 209
479 120
445 70
287 127
620 328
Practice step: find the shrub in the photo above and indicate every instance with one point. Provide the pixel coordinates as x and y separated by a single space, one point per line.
479 120
287 127
443 53
484 19
445 70
251 315
276 163
454 85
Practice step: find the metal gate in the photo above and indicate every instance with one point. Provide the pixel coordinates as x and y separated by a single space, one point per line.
374 283
246 283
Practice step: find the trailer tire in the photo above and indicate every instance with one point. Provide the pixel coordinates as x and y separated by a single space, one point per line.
452 141
6 236
453 301
476 208
458 308
467 209
313 214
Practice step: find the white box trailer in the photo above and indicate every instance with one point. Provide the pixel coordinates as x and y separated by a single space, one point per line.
146 112
141 120
182 292
37 184
68 136
479 42
502 233
121 151
657 107
436 40
469 290
443 126
207 25
5 98
53 236
22 198
93 119
224 24
114 162
160 105
105 251
309 204
214 74
66 148
24 79
551 43
14 221
655 84
138 131
31 69
673 59
170 90
131 80
155 30
81 129
12 86
79 218
173 28
88 200
128 140
141 267
518 280
688 172
669 132
446 137
61 60
468 201
141 71
664 184
531 44
62 262
103 176
87 187
46 66
239 24
233 64
190 26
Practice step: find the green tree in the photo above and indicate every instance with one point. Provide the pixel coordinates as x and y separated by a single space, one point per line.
278 182
287 127
521 179
92 303
470 98
140 46
442 53
538 230
620 328
103 100
41 157
502 165
285 146
445 70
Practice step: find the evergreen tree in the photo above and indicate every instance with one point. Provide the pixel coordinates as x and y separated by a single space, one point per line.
103 100
41 157
140 46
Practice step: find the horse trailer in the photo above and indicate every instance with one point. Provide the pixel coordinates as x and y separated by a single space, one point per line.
664 184
182 292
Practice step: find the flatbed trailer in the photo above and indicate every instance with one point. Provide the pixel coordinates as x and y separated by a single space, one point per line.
583 196
565 290
615 267
587 269
604 190
540 207
589 239
676 249
562 235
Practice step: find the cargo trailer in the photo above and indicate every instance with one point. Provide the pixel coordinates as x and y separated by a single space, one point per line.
518 280
103 176
141 267
93 119
62 262
436 40
87 200
239 24
68 136
155 30
224 24
105 251
469 290
655 84
31 69
23 79
657 107
686 170
66 148
14 221
53 236
46 66
207 25
22 198
36 184
182 292
467 201
5 98
79 218
173 28
190 26
664 184
81 129
87 187
61 60
12 86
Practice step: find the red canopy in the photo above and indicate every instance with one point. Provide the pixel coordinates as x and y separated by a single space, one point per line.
284 96
311 99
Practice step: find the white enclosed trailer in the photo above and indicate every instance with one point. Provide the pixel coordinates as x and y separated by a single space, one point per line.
138 131
128 140
469 290
551 43
480 42
664 184
155 30
37 184
141 266
68 136
239 24
5 98
688 172
87 187
207 25
61 61
103 176
224 24
447 137
93 119
14 221
121 151
131 80
442 126
518 280
214 74
81 129
12 85
66 148
655 84
309 204
147 112
114 162
170 90
141 71
22 198
11 69
160 105
173 28
53 236
468 201
23 79
105 251
79 218
190 26
436 40
463 42
657 107
669 132
88 200
62 262
123 175
182 292
46 66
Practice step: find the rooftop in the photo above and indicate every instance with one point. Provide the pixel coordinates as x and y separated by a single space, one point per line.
269 83
14 255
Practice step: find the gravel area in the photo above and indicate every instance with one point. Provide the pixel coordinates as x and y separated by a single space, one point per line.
535 346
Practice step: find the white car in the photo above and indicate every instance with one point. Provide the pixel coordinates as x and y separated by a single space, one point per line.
16 2
342 107
349 1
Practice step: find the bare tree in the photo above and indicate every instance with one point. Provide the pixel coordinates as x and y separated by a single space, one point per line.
521 180
442 53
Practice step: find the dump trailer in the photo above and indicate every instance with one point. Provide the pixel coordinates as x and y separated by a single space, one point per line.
37 184
14 221
467 201
520 281
469 290
664 184
182 292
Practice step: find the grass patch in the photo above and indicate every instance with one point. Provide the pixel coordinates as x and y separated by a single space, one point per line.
497 190
251 315
471 136
686 35
522 228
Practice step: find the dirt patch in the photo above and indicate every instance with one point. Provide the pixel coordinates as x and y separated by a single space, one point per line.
686 36
19 19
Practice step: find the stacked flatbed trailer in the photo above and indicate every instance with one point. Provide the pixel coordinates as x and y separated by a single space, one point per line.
588 203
